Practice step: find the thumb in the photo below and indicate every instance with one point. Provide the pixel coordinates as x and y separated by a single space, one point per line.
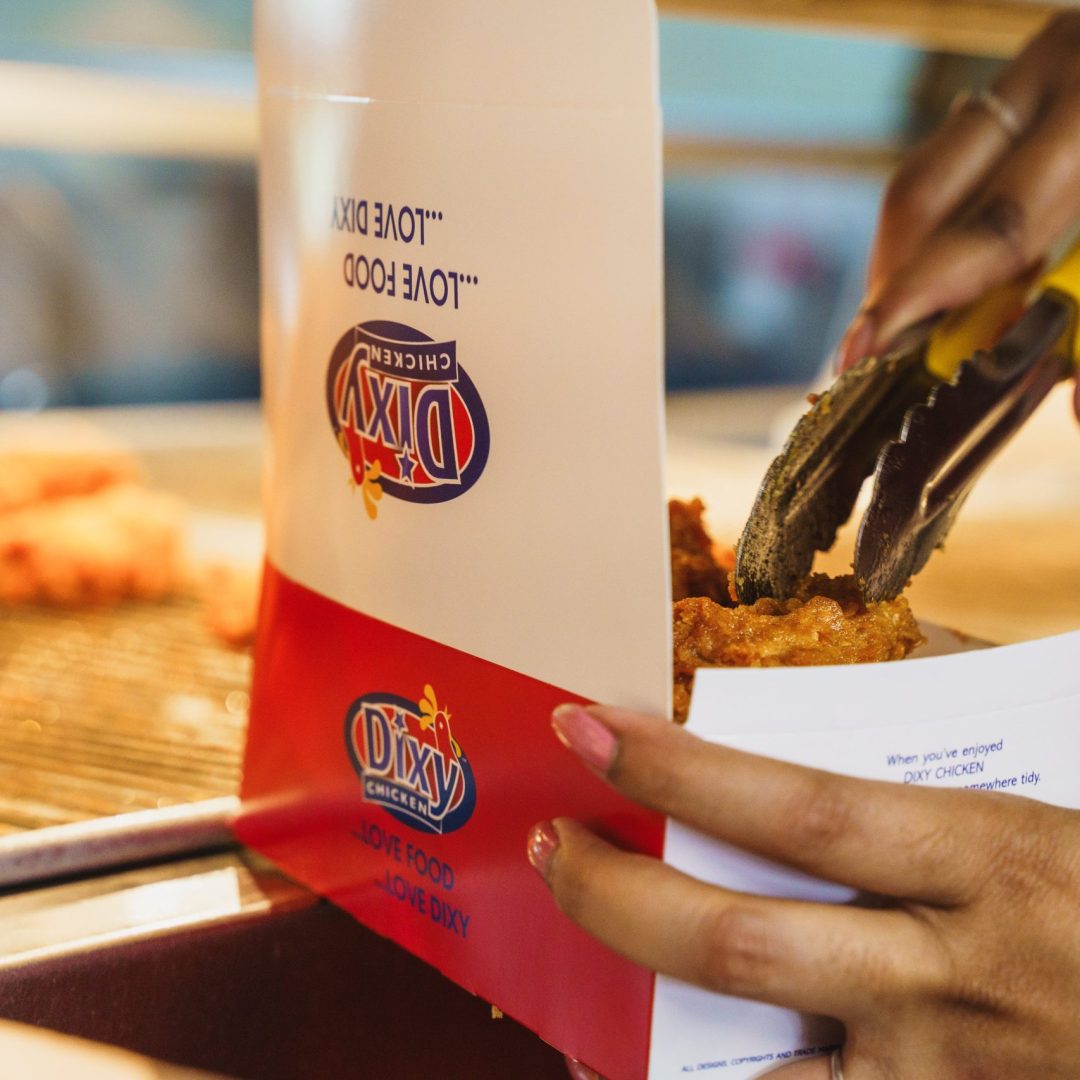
946 276
953 268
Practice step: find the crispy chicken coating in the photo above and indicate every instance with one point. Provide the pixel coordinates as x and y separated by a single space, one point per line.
44 458
230 596
122 541
698 566
827 622
27 478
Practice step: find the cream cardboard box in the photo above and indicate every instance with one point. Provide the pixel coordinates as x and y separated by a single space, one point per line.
462 312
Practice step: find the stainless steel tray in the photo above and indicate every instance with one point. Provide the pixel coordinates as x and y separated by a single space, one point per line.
112 710
121 736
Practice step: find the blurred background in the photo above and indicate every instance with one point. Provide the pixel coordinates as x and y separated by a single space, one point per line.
127 202
127 195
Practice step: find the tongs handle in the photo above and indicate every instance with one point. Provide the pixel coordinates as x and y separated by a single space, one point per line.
979 325
1063 281
976 326
923 477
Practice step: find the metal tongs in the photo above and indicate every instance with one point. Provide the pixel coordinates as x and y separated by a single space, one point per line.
926 419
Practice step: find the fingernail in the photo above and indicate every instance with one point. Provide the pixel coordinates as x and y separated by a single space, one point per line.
578 1071
858 341
543 843
580 731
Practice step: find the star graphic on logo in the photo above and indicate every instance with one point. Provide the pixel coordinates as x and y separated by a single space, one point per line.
399 721
406 463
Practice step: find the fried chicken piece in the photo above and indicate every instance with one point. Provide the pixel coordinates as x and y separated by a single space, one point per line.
30 477
826 622
230 596
50 458
122 541
698 566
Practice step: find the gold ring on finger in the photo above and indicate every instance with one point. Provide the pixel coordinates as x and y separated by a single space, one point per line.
836 1065
995 106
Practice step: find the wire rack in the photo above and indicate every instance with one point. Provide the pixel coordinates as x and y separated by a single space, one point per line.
105 711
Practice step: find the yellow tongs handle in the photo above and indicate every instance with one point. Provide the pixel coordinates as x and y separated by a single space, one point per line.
1063 283
978 325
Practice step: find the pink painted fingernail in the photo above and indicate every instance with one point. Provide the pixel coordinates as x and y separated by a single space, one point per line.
543 843
580 731
858 341
579 1071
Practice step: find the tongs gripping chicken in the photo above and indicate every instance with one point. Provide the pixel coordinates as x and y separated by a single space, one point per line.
925 419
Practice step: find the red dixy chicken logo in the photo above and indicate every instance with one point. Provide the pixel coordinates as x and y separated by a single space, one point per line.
409 761
405 414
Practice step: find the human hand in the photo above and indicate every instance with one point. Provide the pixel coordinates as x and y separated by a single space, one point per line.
969 968
983 199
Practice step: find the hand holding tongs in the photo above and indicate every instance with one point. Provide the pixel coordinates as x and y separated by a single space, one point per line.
926 418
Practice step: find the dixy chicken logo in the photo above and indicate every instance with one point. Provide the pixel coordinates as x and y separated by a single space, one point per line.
405 414
409 761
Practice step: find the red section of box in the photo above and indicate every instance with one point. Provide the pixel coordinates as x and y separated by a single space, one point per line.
304 807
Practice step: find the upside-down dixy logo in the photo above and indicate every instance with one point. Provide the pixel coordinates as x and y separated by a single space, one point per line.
409 761
405 414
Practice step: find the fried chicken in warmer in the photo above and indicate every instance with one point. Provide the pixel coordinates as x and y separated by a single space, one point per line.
230 596
825 622
43 459
122 541
698 566
27 478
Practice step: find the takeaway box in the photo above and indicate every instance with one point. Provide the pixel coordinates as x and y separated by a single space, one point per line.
462 358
